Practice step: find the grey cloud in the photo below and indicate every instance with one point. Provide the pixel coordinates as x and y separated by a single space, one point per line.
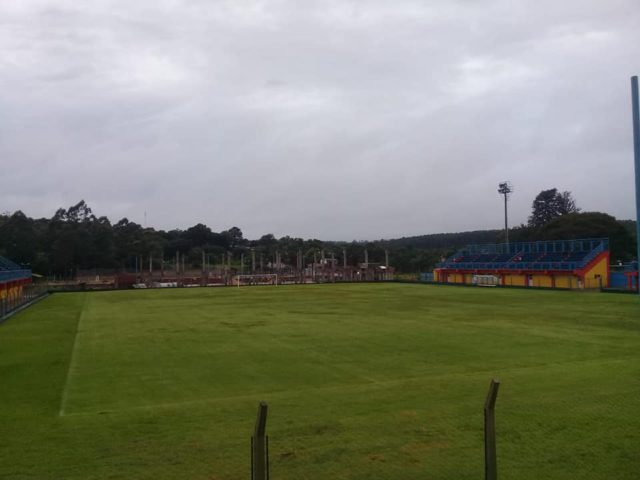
329 119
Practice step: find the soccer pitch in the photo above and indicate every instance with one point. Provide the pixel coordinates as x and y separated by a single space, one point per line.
363 381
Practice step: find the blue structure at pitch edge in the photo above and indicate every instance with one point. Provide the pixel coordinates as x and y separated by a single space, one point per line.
636 150
10 271
558 255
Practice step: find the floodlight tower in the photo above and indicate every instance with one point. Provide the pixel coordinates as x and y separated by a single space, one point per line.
635 107
505 188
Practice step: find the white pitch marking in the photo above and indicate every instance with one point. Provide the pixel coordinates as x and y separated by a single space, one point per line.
65 391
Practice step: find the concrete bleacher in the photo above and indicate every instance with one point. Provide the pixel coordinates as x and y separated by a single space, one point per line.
544 255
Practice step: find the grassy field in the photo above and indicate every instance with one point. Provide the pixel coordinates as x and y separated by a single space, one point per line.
364 381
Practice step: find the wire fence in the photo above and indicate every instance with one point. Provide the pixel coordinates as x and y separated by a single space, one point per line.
520 281
18 298
259 458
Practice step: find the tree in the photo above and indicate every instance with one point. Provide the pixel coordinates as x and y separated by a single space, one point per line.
17 239
199 235
591 225
550 204
234 234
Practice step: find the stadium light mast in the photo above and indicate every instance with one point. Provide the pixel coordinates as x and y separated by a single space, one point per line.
636 150
505 188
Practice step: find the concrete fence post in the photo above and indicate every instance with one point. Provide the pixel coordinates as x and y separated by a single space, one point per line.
260 446
490 460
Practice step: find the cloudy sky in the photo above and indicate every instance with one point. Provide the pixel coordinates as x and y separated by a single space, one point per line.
327 119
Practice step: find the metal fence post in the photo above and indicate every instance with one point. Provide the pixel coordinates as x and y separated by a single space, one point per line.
490 461
259 446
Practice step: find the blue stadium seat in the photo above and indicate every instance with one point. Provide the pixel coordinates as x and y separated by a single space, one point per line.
567 255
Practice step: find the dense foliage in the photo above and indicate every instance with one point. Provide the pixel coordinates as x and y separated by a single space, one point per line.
551 204
584 225
76 239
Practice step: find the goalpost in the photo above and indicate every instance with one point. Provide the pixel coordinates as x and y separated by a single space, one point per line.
257 279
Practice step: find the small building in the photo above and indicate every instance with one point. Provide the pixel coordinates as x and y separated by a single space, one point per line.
582 264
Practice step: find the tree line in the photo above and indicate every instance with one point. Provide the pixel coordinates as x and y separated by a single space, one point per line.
76 239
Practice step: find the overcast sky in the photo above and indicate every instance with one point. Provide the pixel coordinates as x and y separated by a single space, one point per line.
327 119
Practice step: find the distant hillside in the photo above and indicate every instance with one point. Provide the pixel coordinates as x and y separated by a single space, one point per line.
444 240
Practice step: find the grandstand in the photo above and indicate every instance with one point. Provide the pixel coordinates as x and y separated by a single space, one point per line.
551 264
13 278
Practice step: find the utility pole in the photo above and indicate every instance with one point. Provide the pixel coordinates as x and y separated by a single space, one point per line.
505 189
333 267
490 458
636 150
386 265
344 263
253 260
313 270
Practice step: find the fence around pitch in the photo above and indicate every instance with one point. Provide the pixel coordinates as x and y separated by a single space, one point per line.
572 283
260 439
13 303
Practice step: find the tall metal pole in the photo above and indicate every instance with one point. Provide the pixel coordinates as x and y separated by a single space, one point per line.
506 222
636 150
505 188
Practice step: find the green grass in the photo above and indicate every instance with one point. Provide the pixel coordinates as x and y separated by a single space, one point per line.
364 381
